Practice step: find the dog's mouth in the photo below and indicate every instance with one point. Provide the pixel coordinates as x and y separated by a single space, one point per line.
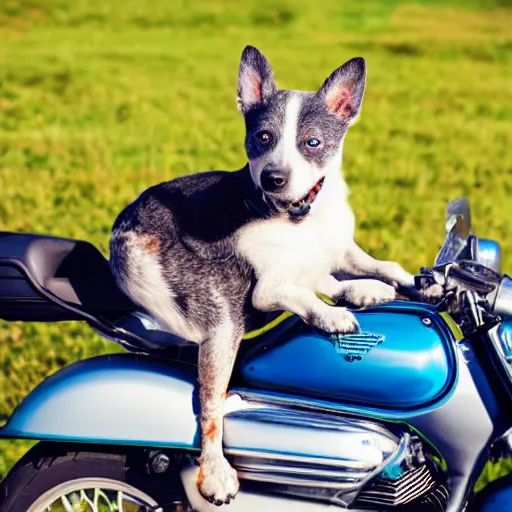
300 208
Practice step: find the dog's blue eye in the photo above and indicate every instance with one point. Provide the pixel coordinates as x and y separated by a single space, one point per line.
312 143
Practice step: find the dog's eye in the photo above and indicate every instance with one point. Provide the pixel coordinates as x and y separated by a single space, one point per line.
312 143
264 137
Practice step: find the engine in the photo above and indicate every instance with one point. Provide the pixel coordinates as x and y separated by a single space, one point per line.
332 458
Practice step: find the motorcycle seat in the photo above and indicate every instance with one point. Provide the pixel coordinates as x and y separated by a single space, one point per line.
72 271
52 279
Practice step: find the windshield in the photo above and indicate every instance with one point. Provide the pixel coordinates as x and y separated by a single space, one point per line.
458 227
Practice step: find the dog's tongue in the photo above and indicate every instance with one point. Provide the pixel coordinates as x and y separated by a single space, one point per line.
311 195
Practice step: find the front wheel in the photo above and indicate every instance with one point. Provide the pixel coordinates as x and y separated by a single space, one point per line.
54 478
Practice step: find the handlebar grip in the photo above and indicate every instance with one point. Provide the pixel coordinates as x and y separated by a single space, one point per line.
410 292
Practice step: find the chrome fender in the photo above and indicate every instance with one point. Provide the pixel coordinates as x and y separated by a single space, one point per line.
115 399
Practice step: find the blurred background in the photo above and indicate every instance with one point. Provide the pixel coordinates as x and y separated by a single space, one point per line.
101 98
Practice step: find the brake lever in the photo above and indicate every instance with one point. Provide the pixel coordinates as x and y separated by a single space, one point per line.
468 280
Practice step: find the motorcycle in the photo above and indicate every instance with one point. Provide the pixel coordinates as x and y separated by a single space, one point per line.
401 416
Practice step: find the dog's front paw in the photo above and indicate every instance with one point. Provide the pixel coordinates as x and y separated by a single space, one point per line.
217 480
369 292
396 275
335 320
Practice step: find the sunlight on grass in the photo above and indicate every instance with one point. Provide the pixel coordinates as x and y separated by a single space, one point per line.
99 100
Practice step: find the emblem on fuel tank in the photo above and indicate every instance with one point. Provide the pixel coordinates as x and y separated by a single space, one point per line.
355 346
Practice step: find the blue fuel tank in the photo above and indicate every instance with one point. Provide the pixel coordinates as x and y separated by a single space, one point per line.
407 364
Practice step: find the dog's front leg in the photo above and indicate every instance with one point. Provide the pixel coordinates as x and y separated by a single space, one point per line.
357 263
216 480
359 292
273 295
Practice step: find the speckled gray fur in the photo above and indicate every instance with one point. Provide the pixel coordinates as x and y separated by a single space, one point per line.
187 251
194 219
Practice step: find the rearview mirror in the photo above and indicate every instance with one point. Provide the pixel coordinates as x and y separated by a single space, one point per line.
458 217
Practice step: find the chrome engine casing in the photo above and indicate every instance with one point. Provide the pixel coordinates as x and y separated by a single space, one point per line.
331 458
308 454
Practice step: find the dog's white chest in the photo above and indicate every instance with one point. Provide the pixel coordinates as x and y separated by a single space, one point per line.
300 253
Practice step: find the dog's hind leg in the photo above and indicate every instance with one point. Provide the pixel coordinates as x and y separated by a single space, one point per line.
217 480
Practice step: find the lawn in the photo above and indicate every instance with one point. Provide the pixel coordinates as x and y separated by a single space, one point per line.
101 98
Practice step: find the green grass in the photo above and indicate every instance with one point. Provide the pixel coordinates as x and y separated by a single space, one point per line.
102 98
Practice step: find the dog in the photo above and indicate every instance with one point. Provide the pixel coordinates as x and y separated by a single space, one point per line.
203 253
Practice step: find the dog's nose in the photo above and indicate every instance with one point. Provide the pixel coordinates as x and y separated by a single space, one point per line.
272 181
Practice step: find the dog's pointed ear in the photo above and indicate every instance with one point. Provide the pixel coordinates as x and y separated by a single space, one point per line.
343 90
255 79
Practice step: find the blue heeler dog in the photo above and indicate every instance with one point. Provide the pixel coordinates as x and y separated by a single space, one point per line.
204 253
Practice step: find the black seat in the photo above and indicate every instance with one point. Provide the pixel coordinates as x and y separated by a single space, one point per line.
73 271
52 279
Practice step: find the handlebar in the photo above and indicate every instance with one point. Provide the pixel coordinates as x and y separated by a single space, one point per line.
410 292
468 287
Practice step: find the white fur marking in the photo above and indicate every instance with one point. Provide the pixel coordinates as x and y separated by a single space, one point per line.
145 284
303 174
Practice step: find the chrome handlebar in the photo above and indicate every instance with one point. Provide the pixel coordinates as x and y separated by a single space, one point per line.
473 293
468 269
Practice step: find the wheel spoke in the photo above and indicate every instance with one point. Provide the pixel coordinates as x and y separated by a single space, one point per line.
120 506
84 497
96 497
100 495
66 504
